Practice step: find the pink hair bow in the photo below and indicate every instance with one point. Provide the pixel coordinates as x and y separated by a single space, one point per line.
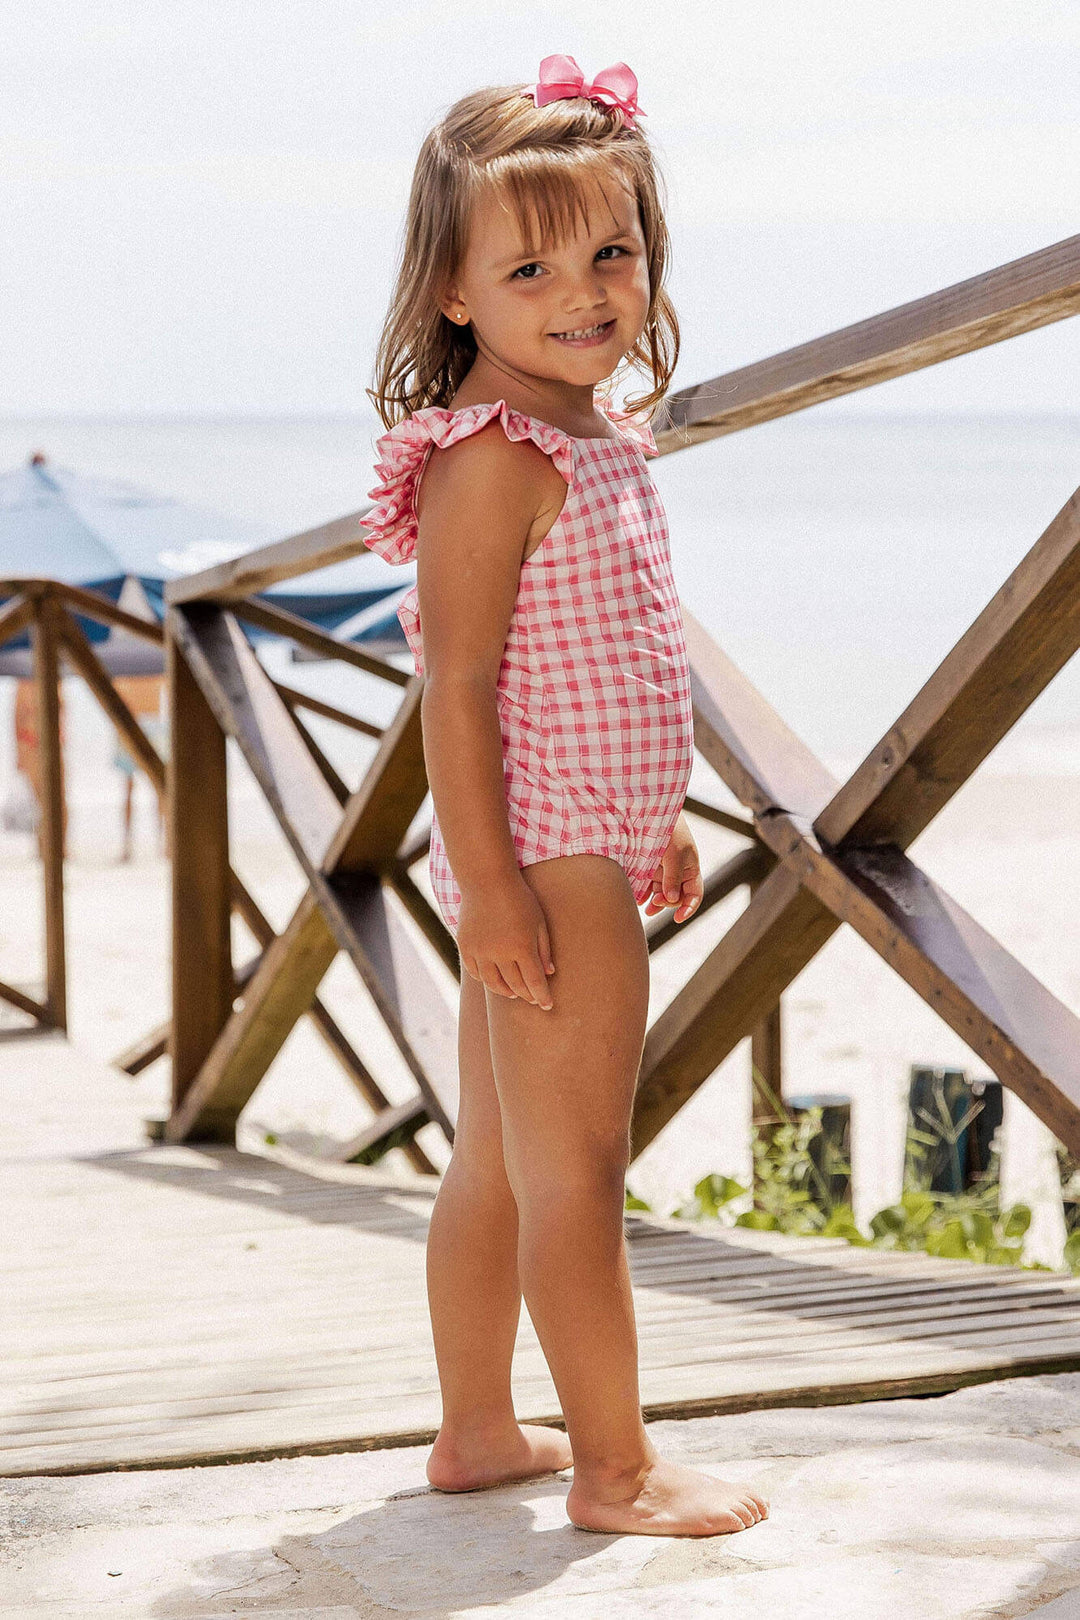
561 78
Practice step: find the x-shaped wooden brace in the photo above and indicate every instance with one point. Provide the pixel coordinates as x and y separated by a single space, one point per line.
345 851
823 854
840 854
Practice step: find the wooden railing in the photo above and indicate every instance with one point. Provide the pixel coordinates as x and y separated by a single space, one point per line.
818 852
1015 298
50 611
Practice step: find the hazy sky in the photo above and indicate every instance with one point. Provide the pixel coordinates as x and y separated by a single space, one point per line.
200 203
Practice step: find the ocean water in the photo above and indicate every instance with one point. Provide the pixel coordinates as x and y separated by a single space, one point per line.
836 555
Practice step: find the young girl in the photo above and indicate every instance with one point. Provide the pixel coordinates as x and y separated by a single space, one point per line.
558 739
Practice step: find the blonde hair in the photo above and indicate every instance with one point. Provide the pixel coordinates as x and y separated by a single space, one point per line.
541 159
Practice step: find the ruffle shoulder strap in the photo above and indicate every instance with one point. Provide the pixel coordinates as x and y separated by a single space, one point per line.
390 526
634 428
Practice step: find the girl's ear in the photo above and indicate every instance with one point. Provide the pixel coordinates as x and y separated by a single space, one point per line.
450 303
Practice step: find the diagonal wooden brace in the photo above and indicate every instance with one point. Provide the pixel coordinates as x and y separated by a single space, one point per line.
343 855
1021 640
1030 1040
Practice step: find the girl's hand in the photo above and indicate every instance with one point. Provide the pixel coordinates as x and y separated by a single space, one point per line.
677 880
503 941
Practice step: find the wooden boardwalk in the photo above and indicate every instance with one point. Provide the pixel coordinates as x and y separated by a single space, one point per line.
168 1305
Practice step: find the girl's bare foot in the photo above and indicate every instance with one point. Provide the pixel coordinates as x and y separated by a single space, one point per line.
664 1499
482 1460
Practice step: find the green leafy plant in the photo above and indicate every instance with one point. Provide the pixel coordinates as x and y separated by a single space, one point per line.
794 1175
956 1226
796 1167
1069 1168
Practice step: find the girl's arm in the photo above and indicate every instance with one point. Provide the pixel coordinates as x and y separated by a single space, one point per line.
476 504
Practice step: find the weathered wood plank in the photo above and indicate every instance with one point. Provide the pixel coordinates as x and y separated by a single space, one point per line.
283 623
413 1420
426 918
15 615
978 692
1029 1038
766 1068
357 1071
753 751
304 700
202 973
327 769
247 708
806 1289
256 570
86 663
331 1388
1015 647
146 1050
385 804
368 924
737 985
25 1003
412 1114
46 665
89 605
68 1387
1001 303
351 907
246 1043
750 866
719 818
203 1305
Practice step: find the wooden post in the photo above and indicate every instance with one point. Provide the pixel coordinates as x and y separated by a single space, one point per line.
47 682
766 1061
202 975
766 1069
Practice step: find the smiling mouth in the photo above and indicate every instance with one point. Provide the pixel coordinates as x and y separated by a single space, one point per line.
585 334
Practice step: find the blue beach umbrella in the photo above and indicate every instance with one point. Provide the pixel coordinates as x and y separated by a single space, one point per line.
125 542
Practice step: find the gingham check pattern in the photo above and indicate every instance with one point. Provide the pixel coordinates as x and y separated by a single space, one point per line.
594 688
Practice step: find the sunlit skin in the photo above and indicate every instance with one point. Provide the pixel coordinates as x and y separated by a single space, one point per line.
516 305
532 1200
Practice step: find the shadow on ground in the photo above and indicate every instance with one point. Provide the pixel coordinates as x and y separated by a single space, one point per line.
421 1551
698 1265
381 1205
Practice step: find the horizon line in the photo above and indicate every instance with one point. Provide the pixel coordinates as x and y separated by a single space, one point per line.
14 418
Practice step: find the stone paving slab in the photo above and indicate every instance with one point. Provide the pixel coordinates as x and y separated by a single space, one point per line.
959 1507
1066 1607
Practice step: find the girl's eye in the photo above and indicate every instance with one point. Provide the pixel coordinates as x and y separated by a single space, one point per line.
612 247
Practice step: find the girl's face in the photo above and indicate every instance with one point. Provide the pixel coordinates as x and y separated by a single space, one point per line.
540 315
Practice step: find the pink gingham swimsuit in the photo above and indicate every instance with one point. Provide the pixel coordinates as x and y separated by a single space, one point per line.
594 688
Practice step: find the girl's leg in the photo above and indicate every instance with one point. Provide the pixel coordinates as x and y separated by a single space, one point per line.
566 1081
473 1290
